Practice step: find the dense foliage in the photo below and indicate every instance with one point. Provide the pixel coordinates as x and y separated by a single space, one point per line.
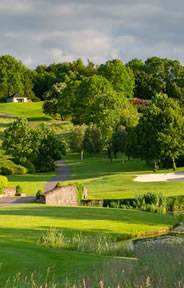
33 147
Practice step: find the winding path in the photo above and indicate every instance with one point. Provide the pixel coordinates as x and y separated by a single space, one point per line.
8 115
63 173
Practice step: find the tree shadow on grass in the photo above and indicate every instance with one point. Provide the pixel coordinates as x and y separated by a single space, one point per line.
38 119
40 177
90 214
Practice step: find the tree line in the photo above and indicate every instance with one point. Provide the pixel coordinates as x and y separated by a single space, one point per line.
157 136
136 79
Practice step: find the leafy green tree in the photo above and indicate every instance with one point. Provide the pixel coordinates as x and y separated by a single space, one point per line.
11 76
48 148
121 77
77 138
18 140
38 146
159 133
136 65
97 102
52 99
168 74
93 141
43 81
146 86
119 141
28 86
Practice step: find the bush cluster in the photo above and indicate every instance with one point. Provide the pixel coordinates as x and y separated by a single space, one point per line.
35 148
8 167
18 189
39 194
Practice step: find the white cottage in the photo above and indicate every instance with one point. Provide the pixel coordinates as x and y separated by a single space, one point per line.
17 98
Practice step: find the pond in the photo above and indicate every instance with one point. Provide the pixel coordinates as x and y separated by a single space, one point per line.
174 237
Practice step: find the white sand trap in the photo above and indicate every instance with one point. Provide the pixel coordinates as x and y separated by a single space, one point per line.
160 177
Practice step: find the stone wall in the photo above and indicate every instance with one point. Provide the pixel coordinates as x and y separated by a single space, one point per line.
9 191
64 196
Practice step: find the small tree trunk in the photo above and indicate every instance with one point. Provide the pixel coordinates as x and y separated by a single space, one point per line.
174 164
155 166
82 155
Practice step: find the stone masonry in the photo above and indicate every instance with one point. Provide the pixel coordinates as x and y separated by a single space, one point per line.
64 196
9 191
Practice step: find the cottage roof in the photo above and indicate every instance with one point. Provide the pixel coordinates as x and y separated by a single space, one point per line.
17 96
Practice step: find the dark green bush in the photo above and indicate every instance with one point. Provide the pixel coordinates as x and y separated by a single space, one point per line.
8 167
7 170
20 170
39 194
18 189
30 167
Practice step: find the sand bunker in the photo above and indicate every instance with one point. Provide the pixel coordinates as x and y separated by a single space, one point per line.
160 177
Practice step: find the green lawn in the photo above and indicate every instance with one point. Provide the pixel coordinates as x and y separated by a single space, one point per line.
104 179
32 111
30 183
21 227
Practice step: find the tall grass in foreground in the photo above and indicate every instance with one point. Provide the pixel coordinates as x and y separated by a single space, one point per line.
159 266
96 244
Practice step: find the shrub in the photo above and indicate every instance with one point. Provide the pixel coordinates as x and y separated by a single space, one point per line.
152 202
19 170
39 194
8 167
7 170
30 167
18 189
3 181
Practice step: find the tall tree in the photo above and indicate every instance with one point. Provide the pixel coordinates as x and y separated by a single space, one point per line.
160 131
76 141
11 76
98 103
121 76
119 141
52 99
93 141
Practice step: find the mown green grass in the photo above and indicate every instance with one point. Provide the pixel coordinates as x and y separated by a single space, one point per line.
30 183
33 111
106 180
21 227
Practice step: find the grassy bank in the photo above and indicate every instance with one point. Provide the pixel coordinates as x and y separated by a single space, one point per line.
21 227
33 111
106 180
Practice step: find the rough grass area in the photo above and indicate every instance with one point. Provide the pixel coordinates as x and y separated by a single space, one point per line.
106 180
32 111
21 227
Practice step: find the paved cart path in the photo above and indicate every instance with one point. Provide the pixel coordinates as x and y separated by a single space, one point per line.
63 174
